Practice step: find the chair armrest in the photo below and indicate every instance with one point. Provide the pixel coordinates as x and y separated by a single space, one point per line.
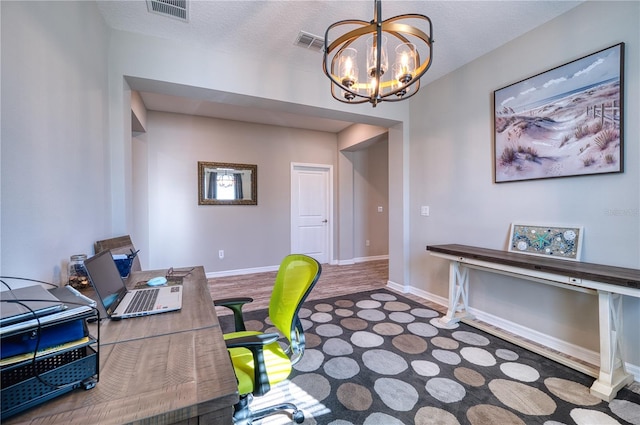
224 302
255 344
235 305
252 341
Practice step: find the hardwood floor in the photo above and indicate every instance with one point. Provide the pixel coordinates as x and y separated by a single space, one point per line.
335 281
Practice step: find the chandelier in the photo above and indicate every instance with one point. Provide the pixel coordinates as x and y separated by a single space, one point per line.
365 46
225 179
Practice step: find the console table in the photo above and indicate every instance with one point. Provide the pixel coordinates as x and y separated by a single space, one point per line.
609 283
169 368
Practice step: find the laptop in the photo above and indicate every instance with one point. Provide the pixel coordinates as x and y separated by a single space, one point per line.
26 303
121 303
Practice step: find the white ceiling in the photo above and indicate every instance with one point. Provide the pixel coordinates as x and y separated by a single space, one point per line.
462 30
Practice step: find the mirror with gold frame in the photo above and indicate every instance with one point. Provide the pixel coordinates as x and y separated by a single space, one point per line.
222 183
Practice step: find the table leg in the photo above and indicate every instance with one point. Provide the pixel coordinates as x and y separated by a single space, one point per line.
458 294
613 375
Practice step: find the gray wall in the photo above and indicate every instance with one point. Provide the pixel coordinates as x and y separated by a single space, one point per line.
183 233
371 190
451 171
55 193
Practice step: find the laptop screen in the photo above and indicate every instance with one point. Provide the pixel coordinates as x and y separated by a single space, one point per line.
106 279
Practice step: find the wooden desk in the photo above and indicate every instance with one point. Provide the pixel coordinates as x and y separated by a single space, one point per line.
609 283
170 368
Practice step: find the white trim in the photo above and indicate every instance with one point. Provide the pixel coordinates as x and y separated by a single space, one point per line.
396 286
372 258
634 370
357 260
238 272
429 296
589 356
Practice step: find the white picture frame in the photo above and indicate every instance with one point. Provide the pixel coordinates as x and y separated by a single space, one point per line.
551 241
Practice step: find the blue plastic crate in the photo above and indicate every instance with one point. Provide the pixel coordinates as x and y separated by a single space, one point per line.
123 262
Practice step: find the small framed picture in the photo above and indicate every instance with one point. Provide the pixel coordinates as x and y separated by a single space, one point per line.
562 242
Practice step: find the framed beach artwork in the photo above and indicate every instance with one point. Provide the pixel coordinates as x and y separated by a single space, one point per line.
567 121
562 242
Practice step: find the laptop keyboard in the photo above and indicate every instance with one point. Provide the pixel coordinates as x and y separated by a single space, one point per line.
143 301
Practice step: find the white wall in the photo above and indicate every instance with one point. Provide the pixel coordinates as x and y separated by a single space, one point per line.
451 171
55 177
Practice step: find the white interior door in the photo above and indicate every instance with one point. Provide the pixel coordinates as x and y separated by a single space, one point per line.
312 210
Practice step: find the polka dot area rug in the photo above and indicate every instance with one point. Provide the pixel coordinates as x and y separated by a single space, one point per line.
377 358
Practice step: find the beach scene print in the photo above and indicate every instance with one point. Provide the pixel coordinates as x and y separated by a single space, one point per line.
563 122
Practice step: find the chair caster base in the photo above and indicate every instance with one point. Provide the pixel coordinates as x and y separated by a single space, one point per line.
243 415
298 416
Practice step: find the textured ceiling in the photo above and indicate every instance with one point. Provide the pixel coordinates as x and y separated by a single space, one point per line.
462 30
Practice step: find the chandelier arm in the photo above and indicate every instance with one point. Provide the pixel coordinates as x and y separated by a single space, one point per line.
397 28
366 28
363 99
343 42
350 90
328 48
410 16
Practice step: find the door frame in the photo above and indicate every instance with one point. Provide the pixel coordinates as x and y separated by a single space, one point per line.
328 170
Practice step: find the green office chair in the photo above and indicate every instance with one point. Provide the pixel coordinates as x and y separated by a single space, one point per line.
259 359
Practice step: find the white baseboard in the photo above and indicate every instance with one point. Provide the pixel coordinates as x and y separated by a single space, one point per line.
238 272
356 260
372 258
634 370
588 356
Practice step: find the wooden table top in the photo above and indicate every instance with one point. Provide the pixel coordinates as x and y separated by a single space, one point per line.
158 369
196 313
621 276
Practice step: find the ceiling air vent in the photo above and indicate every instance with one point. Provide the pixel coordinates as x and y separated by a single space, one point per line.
310 41
173 8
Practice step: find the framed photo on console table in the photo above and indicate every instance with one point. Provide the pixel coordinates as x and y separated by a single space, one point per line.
547 241
567 121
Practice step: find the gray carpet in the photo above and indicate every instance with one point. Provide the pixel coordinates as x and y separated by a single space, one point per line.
379 358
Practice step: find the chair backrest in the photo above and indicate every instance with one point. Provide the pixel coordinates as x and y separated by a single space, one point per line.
119 245
296 277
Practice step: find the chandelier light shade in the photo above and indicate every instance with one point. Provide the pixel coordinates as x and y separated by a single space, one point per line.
357 60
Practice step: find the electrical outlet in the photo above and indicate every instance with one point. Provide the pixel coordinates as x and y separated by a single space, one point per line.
221 254
367 243
424 210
